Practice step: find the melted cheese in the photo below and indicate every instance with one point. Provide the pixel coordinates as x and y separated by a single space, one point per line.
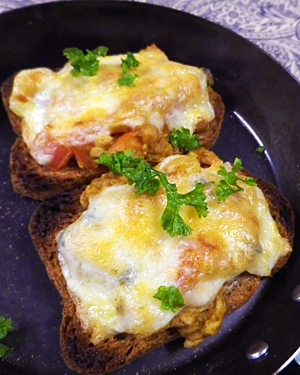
116 255
59 109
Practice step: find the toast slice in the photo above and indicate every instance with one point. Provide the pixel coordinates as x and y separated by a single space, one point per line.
78 350
39 182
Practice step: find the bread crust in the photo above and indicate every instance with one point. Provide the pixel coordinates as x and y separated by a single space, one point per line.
38 182
32 180
79 353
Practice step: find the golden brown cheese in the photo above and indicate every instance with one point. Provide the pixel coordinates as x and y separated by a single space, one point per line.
116 255
59 109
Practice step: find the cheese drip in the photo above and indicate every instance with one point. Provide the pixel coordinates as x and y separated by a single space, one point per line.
116 255
59 109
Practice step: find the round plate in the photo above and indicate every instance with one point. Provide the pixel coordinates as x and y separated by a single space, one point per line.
262 108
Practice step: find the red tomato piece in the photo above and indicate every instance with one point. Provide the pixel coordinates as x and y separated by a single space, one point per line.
83 158
61 157
127 141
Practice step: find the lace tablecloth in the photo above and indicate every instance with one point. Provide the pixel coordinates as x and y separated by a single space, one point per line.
274 25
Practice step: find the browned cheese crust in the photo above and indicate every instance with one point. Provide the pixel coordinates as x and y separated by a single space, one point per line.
38 182
78 351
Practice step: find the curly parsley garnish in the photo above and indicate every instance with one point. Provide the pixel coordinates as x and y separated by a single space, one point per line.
184 140
170 297
5 328
149 180
260 149
129 63
84 64
229 184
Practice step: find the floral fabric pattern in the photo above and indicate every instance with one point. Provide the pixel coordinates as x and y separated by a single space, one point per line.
273 25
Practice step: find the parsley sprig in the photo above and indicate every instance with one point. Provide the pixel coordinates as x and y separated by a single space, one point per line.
129 63
229 184
184 140
171 221
87 64
5 328
84 64
260 149
149 180
170 297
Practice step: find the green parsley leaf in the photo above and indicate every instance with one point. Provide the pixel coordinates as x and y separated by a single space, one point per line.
171 298
184 140
5 328
224 190
127 79
129 63
229 184
135 169
119 161
260 150
4 349
171 220
84 64
148 180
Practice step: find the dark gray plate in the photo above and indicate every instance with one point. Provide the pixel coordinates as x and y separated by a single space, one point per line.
262 102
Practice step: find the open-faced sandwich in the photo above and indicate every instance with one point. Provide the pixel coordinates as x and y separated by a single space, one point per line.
97 102
144 255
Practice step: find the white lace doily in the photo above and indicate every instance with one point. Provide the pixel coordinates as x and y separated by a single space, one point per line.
274 25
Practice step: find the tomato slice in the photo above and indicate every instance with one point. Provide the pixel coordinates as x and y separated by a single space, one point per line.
61 157
127 141
83 158
82 155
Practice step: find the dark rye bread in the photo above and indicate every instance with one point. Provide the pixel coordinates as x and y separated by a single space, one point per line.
79 353
38 182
